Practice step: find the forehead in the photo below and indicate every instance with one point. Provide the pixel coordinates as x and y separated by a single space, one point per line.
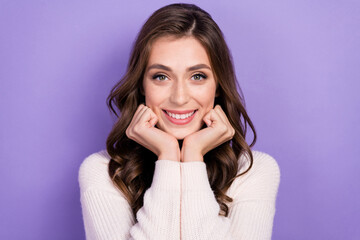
174 51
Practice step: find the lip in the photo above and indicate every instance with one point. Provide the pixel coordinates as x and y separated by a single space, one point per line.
180 121
180 112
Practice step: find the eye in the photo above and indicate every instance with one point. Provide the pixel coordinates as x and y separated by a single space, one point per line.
159 77
199 77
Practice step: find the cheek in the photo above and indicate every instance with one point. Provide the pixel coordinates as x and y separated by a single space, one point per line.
150 97
206 97
153 100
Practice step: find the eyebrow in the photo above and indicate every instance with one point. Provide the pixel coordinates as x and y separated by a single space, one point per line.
166 68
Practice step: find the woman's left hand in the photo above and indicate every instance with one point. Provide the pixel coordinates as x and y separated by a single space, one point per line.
197 144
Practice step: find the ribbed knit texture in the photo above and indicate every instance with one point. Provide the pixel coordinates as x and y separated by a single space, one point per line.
180 199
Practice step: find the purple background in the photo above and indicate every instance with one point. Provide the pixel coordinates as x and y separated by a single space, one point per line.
297 63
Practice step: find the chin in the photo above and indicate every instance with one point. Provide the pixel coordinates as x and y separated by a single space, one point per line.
180 135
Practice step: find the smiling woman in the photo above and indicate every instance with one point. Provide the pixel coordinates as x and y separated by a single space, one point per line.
186 85
177 165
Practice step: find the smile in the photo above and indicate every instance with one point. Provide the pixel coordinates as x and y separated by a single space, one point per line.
179 117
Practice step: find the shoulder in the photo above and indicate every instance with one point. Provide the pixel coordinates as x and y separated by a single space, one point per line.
93 172
261 181
264 164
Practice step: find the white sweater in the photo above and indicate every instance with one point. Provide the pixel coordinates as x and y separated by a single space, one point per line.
180 203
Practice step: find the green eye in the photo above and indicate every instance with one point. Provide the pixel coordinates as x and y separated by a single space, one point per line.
159 77
199 77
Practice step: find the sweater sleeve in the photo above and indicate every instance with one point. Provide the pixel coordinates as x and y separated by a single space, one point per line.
159 218
250 214
108 215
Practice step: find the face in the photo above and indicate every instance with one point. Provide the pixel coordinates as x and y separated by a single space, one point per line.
179 85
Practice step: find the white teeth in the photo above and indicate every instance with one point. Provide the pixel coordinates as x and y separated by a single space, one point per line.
180 116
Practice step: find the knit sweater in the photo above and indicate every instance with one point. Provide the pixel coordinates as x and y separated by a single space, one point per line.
180 203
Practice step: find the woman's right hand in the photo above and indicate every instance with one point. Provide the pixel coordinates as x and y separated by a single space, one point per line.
143 131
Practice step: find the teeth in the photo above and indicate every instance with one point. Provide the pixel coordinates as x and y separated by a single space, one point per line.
180 116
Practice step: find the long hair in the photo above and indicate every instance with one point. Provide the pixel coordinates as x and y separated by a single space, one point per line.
131 167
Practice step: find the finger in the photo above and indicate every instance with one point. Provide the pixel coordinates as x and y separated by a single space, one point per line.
211 118
153 117
134 117
225 119
222 114
153 121
134 120
138 110
148 117
206 119
142 109
220 122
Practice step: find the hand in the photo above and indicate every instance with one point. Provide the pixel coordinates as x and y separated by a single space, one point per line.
218 131
142 130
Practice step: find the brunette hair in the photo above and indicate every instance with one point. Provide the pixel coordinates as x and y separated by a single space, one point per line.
131 167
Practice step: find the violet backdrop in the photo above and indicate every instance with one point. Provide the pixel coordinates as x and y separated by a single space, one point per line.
297 63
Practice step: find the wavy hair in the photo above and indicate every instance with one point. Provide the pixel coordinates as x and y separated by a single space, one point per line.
131 167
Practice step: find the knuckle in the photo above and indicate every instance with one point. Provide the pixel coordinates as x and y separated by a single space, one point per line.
128 133
232 132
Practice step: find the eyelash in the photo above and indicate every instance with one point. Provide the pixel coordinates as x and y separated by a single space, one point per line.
197 74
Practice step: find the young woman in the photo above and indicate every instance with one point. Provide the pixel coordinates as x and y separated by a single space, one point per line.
177 165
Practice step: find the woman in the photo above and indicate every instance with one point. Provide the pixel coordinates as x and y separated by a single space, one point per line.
177 165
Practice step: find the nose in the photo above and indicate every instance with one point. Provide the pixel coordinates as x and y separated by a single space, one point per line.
179 93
